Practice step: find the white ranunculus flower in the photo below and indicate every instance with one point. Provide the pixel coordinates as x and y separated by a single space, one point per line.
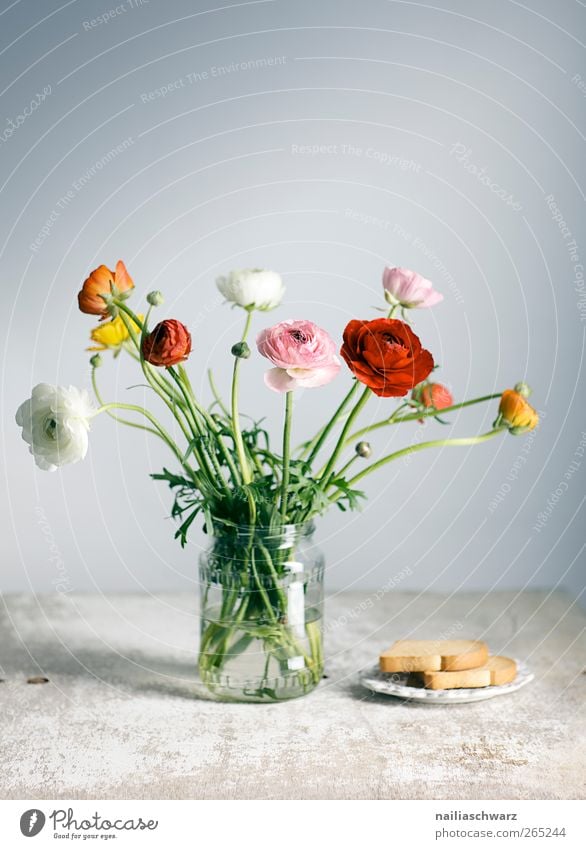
55 422
252 287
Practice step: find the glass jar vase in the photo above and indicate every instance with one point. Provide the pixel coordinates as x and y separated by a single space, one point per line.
261 613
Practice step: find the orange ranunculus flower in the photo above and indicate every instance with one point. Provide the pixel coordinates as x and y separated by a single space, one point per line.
517 412
168 344
100 282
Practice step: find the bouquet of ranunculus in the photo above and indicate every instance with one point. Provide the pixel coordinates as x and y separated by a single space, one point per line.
261 579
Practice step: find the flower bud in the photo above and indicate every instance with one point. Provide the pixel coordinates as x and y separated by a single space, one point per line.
96 361
240 350
434 395
155 299
523 389
517 413
363 449
409 289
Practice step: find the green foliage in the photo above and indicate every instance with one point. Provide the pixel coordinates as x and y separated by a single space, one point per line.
187 503
350 498
231 506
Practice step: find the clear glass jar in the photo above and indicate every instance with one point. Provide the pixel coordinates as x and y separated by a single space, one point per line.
261 613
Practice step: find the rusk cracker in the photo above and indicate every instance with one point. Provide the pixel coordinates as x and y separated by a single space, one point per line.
433 655
496 672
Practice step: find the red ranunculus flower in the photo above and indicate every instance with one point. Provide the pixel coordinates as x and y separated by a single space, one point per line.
386 355
168 344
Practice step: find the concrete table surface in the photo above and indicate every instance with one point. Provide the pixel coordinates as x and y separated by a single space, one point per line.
121 718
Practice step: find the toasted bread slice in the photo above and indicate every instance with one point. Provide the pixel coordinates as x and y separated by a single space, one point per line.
496 672
456 680
433 655
503 670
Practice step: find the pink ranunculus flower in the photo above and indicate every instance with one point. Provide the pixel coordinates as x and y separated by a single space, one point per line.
409 289
303 354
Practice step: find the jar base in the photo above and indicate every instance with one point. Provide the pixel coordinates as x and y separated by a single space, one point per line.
228 689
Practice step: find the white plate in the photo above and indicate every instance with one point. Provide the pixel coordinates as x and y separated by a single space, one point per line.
395 684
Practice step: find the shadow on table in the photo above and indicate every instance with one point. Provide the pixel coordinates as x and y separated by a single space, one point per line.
127 673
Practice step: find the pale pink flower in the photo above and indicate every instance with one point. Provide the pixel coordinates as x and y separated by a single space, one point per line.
409 289
303 354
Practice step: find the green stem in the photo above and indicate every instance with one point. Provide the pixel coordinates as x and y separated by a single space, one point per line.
315 642
230 631
318 441
239 442
345 468
216 394
261 589
207 459
179 404
164 390
274 575
282 597
131 314
349 422
344 435
421 446
257 463
112 415
154 377
212 425
286 453
271 461
420 415
115 405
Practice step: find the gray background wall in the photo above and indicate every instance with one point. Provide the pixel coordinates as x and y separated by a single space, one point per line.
210 177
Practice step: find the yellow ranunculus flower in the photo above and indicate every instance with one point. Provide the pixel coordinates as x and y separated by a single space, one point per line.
517 412
111 334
